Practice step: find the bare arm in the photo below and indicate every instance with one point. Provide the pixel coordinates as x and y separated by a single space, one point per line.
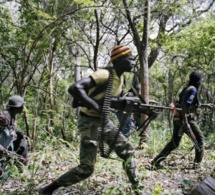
79 91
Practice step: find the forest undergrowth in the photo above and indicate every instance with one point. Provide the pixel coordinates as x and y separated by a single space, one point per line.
53 157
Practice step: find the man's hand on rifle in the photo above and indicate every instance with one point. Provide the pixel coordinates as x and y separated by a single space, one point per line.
174 109
154 113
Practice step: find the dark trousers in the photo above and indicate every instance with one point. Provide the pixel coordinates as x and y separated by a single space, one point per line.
178 132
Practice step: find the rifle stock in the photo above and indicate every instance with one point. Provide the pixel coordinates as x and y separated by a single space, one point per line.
192 137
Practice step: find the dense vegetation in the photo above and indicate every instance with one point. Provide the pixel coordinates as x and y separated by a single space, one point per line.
47 45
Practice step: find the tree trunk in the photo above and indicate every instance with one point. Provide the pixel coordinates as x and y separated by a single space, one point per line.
142 47
34 133
78 75
144 69
51 99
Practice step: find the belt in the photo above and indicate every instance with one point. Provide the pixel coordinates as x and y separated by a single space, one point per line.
176 119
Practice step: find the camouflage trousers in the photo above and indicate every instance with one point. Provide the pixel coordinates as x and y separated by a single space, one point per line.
88 129
176 139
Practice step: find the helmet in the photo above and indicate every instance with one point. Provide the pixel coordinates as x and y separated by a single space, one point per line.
15 101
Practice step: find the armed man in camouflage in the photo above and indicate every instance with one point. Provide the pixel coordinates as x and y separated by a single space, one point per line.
90 121
12 139
184 122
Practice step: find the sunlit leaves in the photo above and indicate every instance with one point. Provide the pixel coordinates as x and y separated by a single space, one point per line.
44 15
85 2
197 43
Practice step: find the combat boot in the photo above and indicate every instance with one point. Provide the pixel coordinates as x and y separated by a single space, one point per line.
49 189
136 188
155 165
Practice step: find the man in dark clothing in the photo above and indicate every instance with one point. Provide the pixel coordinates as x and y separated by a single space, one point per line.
90 122
12 139
185 120
134 121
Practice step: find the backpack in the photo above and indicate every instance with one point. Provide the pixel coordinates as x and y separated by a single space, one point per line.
5 131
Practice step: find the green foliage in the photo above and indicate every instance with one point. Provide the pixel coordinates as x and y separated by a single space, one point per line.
44 15
197 43
8 172
161 133
158 189
85 2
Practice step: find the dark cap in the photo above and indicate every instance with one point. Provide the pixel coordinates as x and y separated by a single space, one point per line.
15 101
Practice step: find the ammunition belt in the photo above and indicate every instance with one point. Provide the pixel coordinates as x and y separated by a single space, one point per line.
104 116
105 150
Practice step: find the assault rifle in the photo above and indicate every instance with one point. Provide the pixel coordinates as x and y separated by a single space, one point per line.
191 135
137 106
13 155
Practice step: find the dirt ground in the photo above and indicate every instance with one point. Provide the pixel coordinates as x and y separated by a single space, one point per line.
176 178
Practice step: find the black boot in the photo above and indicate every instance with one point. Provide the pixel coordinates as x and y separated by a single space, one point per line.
49 189
156 165
136 188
